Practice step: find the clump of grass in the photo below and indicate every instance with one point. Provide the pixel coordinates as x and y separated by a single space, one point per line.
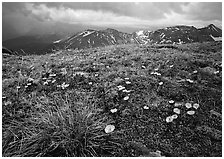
61 127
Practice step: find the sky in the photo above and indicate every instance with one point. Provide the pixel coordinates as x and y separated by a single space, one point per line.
28 18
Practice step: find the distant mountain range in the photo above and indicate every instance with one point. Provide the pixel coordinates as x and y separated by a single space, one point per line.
97 38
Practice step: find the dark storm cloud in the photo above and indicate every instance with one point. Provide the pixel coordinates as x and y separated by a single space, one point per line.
35 17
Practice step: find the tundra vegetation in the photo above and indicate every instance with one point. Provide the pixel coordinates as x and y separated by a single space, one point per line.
123 100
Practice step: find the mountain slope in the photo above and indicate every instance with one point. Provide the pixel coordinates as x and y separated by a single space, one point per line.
97 38
93 38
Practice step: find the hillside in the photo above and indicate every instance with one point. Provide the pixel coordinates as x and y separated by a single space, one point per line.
158 100
90 38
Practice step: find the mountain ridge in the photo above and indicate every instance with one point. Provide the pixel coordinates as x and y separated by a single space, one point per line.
91 38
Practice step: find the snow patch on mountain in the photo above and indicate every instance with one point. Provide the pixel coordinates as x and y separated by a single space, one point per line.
86 33
216 38
56 41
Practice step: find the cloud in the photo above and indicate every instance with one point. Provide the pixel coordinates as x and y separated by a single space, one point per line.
41 17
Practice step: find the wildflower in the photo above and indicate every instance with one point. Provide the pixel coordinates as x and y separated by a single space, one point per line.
96 75
45 83
29 84
188 105
145 107
169 119
126 98
156 69
126 91
196 105
26 86
189 80
160 83
171 102
113 110
175 116
195 71
90 83
176 110
109 128
53 81
191 112
107 66
126 78
157 73
44 78
18 87
120 87
52 75
128 82
63 86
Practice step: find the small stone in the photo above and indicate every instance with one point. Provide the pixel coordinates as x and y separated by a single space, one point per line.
171 66
143 67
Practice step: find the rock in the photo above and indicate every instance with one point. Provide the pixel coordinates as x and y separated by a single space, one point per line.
211 132
208 70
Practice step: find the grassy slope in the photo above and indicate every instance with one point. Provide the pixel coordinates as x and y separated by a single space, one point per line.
46 120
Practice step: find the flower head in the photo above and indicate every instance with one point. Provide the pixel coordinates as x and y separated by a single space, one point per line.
188 105
196 105
109 128
191 112
176 110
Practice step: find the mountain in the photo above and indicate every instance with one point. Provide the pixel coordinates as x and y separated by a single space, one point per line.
179 35
96 38
93 38
36 44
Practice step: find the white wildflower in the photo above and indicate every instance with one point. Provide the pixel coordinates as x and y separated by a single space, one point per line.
171 102
169 119
175 116
109 128
176 110
128 82
191 112
196 105
145 107
53 81
126 98
113 110
160 83
189 80
188 105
